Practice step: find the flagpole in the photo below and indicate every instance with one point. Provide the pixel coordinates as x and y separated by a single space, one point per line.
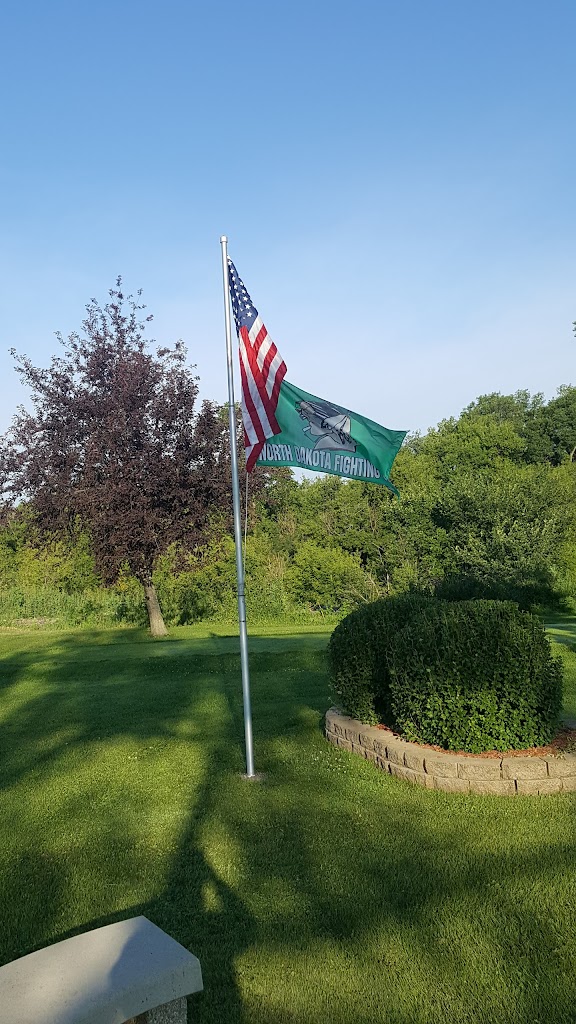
250 773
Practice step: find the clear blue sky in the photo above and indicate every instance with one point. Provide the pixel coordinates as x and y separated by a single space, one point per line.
397 181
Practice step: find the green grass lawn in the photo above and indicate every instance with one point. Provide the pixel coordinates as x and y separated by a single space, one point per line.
328 892
563 632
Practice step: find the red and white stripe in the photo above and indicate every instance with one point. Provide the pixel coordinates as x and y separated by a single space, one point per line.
262 370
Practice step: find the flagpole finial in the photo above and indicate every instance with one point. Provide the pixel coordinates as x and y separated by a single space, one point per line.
223 238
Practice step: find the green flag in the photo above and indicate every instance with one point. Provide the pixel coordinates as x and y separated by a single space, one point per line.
320 435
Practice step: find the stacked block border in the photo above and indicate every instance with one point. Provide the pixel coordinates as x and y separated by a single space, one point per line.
453 773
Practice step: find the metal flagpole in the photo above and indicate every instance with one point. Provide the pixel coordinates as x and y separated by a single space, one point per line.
250 773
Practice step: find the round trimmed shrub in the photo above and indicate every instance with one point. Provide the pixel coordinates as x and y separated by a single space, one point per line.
463 675
357 656
474 676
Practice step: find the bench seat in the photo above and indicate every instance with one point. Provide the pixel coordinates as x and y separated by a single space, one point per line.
106 976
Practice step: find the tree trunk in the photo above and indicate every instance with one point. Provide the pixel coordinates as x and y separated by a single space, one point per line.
157 627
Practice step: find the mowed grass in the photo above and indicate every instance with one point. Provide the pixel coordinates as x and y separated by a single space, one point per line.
325 892
562 632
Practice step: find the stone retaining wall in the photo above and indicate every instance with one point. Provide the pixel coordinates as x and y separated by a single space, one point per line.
453 773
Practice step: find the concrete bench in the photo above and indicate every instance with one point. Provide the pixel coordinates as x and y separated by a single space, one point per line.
130 971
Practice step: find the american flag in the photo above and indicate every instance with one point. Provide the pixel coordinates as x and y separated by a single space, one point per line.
262 370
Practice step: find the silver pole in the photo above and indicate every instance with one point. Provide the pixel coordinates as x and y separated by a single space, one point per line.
237 523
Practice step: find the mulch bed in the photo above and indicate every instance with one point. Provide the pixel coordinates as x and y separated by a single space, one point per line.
565 740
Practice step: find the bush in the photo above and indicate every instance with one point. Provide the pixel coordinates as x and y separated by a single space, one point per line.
105 606
474 675
464 675
527 596
326 579
357 655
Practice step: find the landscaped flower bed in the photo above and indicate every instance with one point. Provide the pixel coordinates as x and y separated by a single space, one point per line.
514 773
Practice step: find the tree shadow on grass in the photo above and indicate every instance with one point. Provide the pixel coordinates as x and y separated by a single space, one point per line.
73 709
326 892
394 903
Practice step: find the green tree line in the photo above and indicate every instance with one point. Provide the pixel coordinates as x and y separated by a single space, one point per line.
487 508
115 499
